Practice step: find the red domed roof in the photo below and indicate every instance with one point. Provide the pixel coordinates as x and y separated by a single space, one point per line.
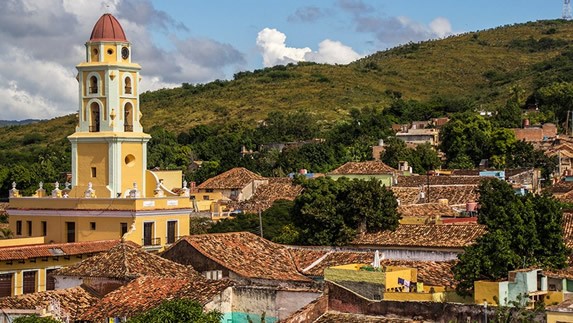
107 28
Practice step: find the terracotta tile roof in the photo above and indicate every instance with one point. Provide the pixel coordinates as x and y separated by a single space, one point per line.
364 168
73 301
304 257
427 210
564 149
435 273
338 317
424 235
126 260
147 292
267 194
235 178
407 195
55 249
247 254
420 180
568 229
561 187
455 195
528 134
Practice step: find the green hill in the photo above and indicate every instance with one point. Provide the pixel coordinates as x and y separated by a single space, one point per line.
479 66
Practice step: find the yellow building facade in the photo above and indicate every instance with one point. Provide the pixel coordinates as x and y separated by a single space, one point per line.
112 193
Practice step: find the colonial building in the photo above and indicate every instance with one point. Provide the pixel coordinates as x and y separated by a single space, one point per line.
112 193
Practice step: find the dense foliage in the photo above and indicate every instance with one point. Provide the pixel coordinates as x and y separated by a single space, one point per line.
177 310
330 212
522 231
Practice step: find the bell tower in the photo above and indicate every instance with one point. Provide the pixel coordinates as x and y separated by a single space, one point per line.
109 147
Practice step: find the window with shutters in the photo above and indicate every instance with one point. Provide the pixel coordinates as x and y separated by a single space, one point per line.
171 231
6 284
29 282
50 280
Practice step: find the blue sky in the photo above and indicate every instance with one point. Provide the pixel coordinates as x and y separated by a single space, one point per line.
192 41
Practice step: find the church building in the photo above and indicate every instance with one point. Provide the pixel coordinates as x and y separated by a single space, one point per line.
112 195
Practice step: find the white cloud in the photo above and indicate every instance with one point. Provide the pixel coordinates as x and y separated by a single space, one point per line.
271 42
441 27
272 45
333 52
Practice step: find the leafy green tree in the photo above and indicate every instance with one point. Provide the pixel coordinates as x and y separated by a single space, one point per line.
395 151
522 231
500 144
425 158
557 98
369 206
509 116
330 212
316 212
466 134
287 127
177 310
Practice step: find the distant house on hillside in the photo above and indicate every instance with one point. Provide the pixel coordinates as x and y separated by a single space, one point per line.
419 136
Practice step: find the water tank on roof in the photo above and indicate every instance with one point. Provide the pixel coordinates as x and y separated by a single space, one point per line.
471 206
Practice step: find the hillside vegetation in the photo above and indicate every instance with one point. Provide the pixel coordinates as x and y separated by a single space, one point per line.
474 70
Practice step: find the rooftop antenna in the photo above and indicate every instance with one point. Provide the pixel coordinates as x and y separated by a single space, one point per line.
566 10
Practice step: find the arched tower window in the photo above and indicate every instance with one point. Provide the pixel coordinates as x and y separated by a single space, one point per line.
128 118
127 88
94 117
93 85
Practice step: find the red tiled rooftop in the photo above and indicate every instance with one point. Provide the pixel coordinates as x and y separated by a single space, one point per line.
427 210
147 292
247 254
420 180
236 178
55 249
424 235
364 168
267 194
72 301
126 260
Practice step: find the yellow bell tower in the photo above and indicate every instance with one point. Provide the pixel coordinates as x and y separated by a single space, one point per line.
109 147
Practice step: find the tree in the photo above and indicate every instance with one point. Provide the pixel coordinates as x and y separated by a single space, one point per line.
424 158
466 134
557 98
178 310
369 206
330 212
316 213
522 231
395 151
